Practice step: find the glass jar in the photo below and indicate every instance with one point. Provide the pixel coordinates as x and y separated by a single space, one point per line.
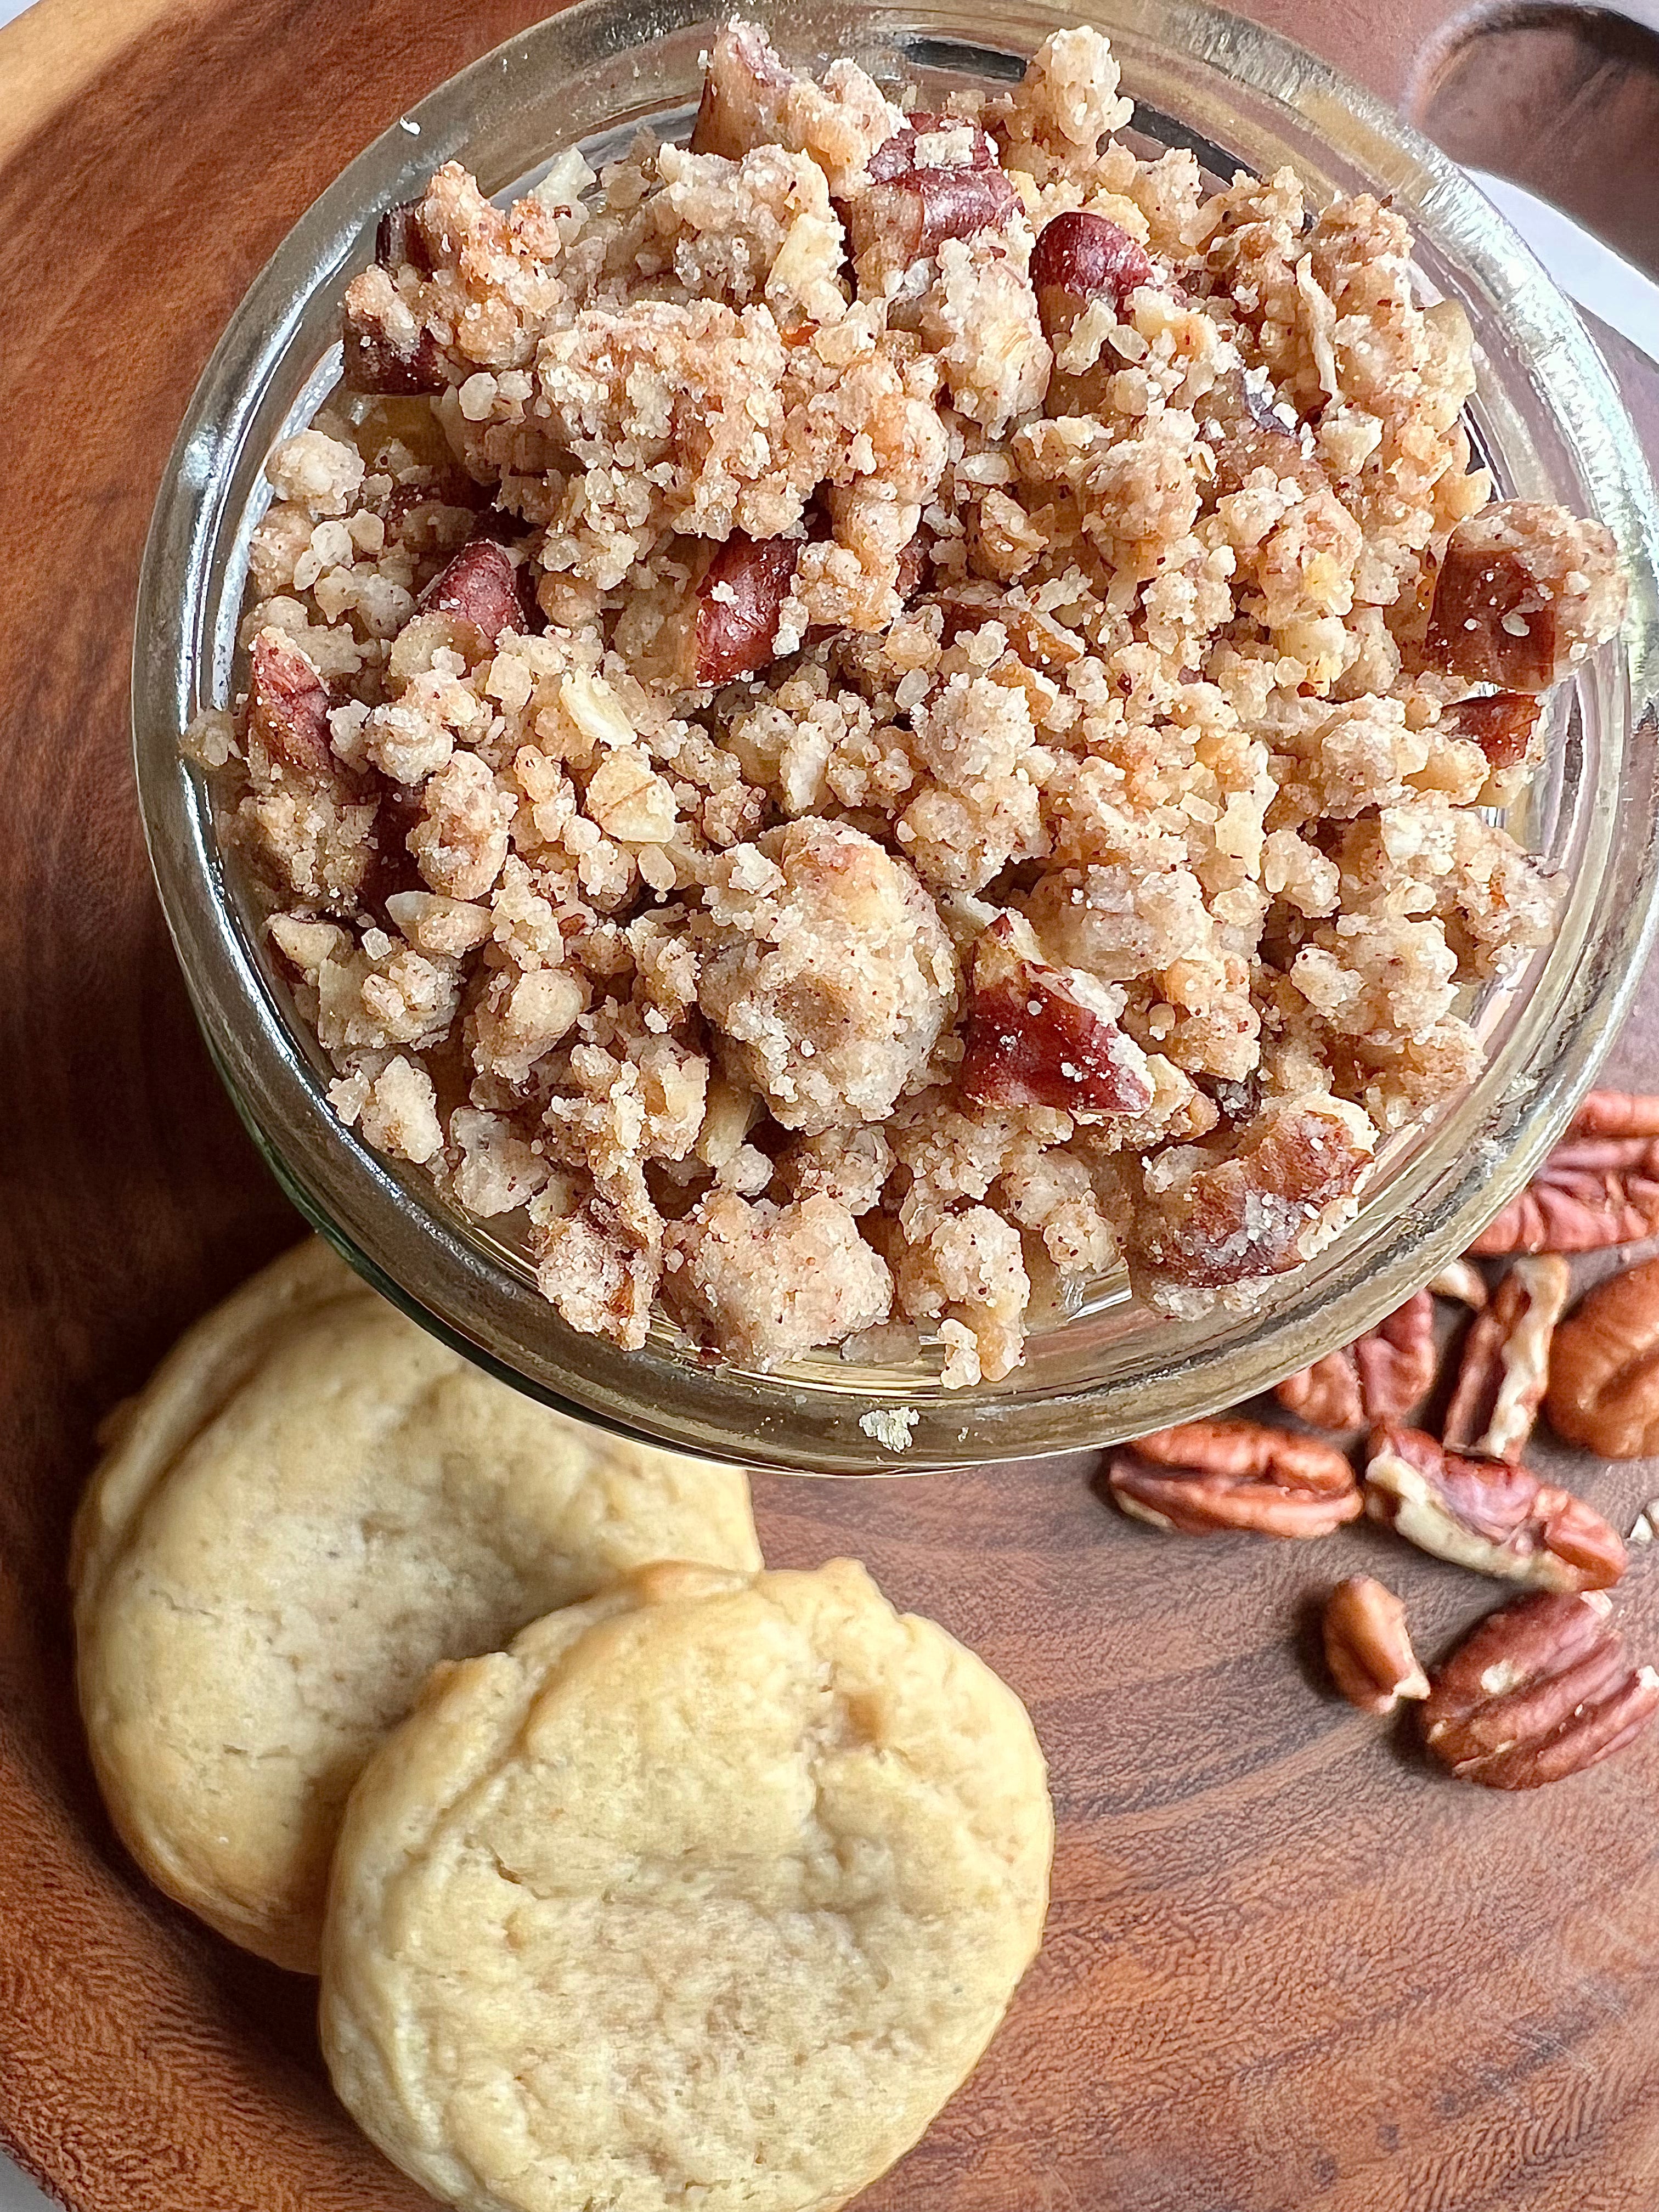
1548 421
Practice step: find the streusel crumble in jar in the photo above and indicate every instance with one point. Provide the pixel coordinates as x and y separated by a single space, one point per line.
894 703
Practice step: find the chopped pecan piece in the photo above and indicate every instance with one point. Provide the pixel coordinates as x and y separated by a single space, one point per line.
1523 592
1590 1192
725 624
899 159
1265 1209
399 241
1604 1372
1538 1691
480 585
739 599
1502 725
1378 1377
744 83
1487 1514
1081 258
1208 1476
288 710
910 208
1038 640
1033 1039
599 1271
376 362
1368 1646
1505 1368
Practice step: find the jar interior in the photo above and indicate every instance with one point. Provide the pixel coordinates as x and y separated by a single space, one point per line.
1097 1365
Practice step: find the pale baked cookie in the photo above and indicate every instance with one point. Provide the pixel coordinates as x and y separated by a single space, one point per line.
311 1503
709 1891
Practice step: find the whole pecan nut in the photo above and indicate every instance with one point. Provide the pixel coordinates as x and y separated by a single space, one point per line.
1378 1377
1599 1187
1505 1368
1205 1477
1368 1646
1604 1368
1487 1514
1538 1691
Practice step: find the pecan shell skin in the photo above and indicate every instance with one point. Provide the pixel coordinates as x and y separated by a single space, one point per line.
1604 1369
1537 1692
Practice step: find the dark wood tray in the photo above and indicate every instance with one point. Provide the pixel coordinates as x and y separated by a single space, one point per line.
1286 1966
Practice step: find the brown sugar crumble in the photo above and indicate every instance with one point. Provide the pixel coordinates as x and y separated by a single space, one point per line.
894 703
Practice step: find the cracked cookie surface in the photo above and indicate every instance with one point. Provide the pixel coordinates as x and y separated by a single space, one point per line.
710 1891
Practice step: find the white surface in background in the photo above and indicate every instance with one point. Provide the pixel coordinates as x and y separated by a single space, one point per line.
1587 270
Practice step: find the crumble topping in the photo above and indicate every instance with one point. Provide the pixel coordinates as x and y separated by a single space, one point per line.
893 705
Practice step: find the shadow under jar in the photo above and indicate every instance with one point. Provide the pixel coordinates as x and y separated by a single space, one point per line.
1546 419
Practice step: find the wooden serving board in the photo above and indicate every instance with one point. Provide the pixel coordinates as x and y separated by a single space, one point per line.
1286 1967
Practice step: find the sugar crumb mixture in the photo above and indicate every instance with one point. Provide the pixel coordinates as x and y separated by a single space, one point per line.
891 708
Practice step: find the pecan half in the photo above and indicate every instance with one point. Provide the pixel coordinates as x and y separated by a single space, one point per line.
1501 724
480 585
1616 1114
1378 1377
1538 1691
1032 1037
1461 1280
1397 1361
1505 1368
1604 1372
1081 258
1368 1646
1590 1192
743 85
1326 1394
1205 1477
1487 1514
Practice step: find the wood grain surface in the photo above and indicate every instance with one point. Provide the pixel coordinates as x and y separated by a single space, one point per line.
1286 1968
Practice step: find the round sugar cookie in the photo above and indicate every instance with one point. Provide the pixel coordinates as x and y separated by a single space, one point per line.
311 1503
709 1891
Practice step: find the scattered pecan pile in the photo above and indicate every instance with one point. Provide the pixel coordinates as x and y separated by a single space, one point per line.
1542 1688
